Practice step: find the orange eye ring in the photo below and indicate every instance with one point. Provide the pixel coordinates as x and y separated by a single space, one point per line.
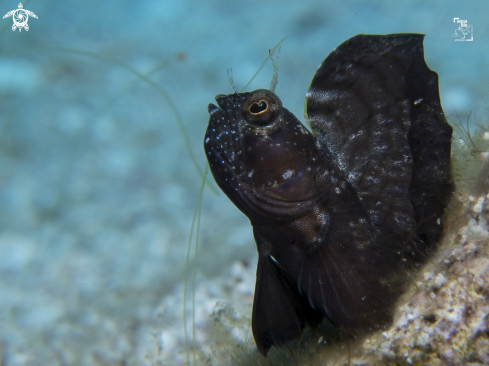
259 107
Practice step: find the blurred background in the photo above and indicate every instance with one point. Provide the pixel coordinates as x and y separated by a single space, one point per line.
97 181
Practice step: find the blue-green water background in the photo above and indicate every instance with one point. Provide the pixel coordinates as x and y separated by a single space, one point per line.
97 189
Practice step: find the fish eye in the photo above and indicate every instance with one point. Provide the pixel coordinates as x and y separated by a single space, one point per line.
262 108
258 107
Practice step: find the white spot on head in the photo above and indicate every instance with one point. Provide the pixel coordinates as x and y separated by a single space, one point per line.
302 129
250 173
287 174
352 176
323 218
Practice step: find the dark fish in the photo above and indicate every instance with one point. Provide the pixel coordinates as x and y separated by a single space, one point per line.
339 213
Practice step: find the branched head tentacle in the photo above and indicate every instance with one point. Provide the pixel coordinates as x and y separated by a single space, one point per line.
274 82
231 81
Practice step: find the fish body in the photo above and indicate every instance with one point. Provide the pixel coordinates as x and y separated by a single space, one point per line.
337 212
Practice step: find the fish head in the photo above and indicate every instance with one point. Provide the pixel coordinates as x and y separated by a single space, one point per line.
262 156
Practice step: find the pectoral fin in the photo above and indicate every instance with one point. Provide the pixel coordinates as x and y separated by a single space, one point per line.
275 321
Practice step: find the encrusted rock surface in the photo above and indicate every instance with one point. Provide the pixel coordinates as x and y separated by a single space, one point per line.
445 321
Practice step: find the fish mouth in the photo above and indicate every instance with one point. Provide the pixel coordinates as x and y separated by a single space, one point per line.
223 145
223 103
222 141
224 131
228 105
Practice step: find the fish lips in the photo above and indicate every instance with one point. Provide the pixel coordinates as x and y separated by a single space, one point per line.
228 112
223 145
222 142
223 131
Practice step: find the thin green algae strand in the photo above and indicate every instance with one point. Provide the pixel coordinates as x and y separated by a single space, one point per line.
272 50
150 82
197 212
195 223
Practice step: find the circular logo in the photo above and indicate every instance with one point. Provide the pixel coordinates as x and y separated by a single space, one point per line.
20 18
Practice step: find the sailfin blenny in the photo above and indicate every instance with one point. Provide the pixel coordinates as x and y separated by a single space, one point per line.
339 213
